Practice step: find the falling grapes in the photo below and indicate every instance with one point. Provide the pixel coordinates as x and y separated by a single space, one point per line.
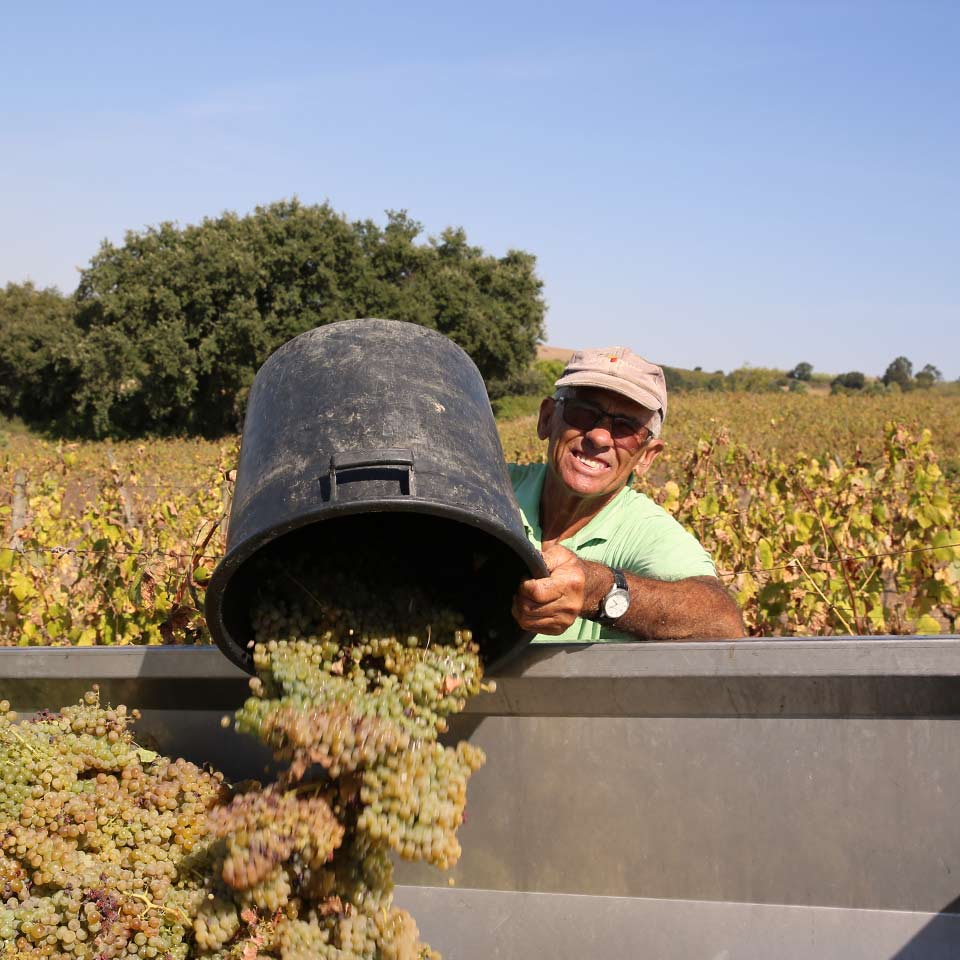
110 851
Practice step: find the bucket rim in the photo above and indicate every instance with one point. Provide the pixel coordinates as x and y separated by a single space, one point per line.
236 557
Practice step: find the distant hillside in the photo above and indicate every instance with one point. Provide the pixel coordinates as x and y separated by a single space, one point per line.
553 353
677 377
756 379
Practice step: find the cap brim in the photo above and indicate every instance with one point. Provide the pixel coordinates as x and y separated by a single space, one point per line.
616 385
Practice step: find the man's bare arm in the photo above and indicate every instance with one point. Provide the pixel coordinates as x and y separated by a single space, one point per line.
697 608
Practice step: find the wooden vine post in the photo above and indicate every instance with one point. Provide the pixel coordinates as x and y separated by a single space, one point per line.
20 504
128 518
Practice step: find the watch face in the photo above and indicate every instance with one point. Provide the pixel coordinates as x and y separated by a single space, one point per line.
617 605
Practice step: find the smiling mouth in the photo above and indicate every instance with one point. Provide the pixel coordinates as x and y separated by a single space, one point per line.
589 462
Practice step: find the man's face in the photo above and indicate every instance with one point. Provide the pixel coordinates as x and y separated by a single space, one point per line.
590 463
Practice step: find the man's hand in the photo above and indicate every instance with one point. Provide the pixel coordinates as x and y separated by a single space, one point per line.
697 608
551 604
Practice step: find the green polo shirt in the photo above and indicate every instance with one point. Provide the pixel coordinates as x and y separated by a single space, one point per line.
630 532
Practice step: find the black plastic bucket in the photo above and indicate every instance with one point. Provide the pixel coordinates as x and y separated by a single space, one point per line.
381 432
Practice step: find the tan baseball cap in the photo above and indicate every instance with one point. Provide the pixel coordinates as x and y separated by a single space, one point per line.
621 370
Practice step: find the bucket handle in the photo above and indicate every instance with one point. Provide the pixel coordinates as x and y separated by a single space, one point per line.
372 458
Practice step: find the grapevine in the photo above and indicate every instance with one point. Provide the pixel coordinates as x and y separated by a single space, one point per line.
825 515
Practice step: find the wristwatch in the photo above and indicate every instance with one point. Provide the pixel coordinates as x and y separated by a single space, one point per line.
616 603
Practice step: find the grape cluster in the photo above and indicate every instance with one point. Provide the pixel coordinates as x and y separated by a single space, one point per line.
414 801
94 835
109 851
263 828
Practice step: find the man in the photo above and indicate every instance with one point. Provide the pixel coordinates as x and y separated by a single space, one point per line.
620 567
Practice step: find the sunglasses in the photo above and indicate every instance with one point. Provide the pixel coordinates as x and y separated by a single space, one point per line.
585 416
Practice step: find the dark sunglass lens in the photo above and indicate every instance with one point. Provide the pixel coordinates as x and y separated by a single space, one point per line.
580 416
623 427
585 416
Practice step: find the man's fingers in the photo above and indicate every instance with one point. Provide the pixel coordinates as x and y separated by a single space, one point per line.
551 617
541 591
548 625
536 622
539 611
550 628
550 604
555 556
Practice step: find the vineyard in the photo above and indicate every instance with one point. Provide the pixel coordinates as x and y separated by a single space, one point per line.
825 516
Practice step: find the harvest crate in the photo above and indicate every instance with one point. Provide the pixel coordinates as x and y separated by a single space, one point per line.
757 799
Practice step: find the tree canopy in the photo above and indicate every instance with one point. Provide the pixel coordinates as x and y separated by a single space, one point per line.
854 380
928 376
176 321
38 345
899 371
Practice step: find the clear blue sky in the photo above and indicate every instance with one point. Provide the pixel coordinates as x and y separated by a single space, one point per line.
714 183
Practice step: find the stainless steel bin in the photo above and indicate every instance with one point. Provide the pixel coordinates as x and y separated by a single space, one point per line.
758 800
